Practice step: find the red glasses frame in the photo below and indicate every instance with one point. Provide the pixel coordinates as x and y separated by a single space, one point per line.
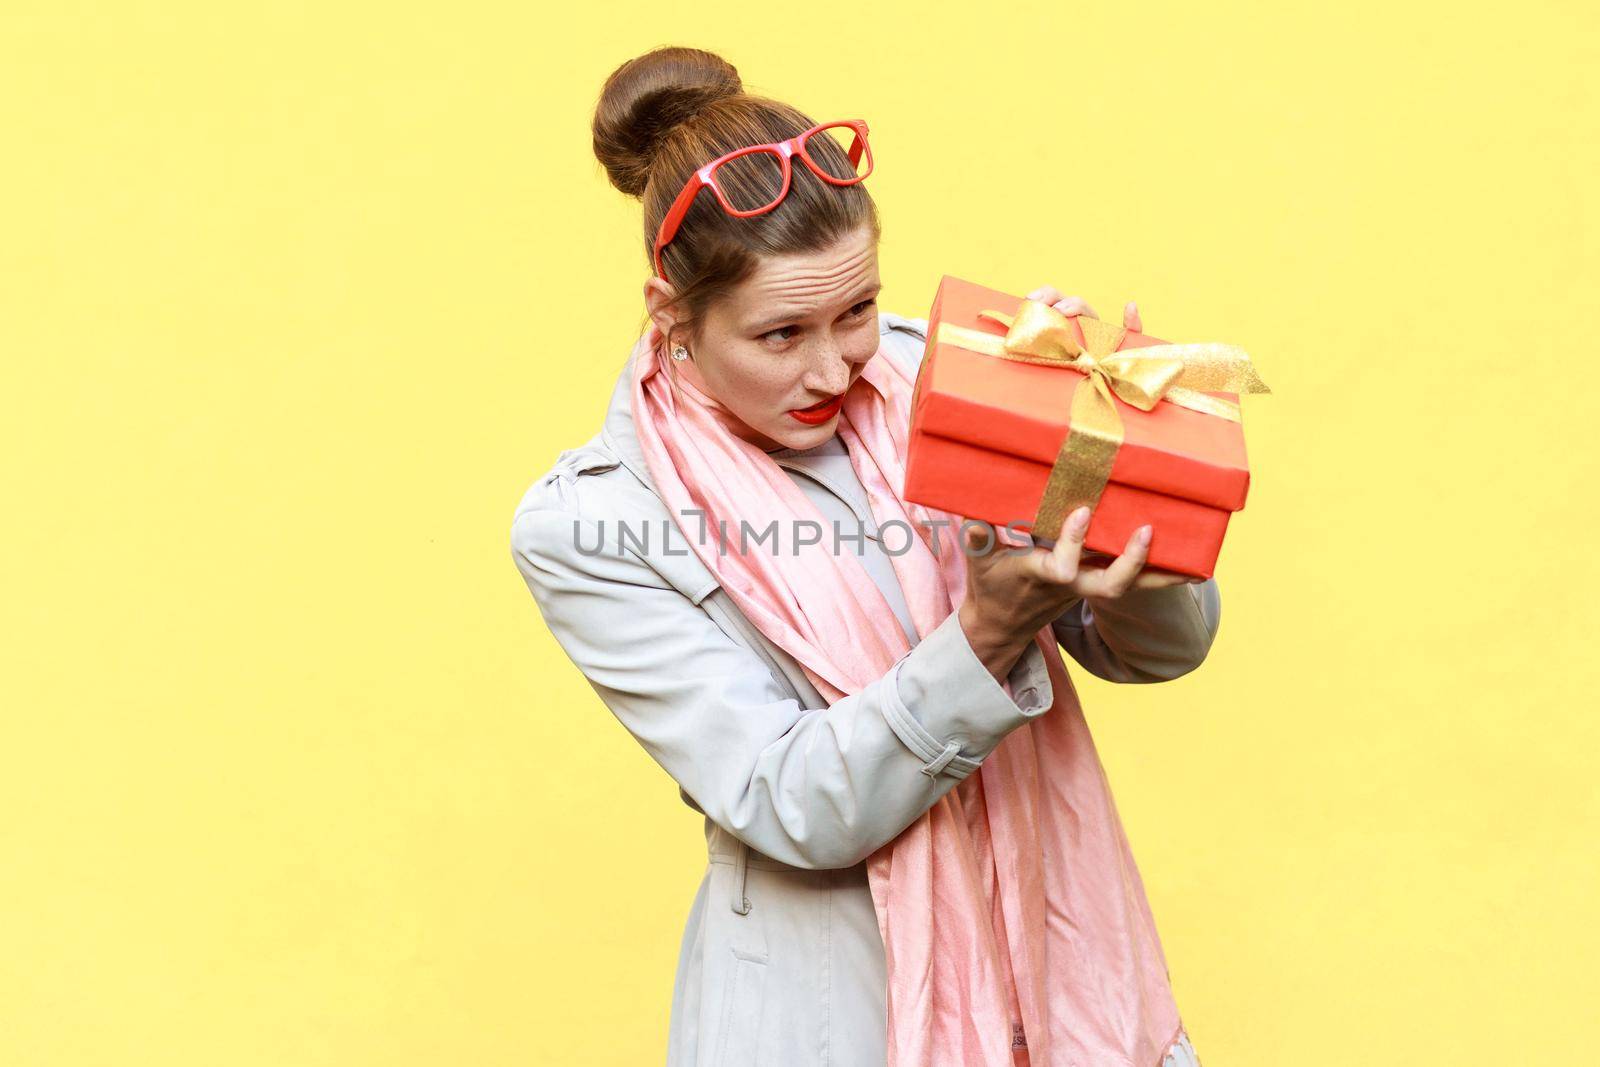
705 178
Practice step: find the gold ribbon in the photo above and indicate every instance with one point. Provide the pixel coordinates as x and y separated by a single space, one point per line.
1143 377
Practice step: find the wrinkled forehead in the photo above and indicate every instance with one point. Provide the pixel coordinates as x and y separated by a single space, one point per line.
801 284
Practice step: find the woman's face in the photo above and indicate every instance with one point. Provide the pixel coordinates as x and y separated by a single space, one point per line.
798 331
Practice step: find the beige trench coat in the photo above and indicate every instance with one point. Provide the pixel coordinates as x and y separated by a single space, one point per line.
781 962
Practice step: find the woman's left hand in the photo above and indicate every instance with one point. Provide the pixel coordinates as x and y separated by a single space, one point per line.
1076 305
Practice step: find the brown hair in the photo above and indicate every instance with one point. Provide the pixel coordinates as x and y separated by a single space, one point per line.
663 115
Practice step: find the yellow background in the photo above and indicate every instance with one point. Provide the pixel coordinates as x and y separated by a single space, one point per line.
295 301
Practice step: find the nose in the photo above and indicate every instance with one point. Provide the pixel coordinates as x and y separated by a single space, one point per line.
834 378
836 366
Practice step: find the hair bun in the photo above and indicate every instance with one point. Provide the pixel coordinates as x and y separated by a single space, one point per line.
645 98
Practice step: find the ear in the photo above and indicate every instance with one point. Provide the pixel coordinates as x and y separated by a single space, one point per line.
658 300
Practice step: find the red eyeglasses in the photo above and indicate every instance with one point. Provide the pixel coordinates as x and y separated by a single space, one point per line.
751 168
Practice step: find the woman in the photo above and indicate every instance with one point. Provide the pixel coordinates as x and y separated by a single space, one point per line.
913 855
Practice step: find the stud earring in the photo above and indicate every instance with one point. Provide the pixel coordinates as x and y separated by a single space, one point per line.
679 352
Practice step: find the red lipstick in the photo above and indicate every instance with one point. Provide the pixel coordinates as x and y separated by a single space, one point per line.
817 414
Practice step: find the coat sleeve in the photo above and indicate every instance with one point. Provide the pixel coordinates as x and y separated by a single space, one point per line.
1147 635
813 787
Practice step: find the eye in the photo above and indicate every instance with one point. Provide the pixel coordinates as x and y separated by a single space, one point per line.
856 312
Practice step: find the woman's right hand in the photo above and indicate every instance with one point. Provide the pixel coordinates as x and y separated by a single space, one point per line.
1015 591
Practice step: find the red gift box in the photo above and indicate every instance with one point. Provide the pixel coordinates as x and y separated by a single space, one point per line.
985 432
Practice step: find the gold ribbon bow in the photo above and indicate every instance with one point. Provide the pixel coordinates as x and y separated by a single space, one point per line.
1142 377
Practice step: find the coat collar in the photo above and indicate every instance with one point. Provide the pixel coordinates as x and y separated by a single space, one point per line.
618 433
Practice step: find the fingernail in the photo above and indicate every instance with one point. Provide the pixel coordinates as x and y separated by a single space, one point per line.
1079 519
1142 535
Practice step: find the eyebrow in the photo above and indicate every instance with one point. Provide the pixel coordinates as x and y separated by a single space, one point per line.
776 321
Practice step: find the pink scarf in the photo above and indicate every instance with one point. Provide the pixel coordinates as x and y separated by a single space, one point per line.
1011 911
